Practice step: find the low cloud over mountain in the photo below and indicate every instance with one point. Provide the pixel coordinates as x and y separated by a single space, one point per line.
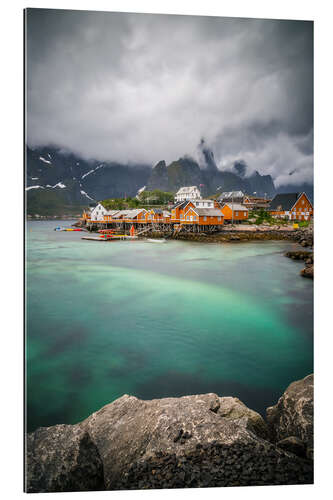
134 88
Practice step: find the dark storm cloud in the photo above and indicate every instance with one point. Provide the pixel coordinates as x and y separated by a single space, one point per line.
141 88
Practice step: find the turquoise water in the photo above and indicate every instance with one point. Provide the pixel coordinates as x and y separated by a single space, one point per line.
155 320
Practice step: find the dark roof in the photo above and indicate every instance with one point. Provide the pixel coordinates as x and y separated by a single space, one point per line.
284 201
180 204
157 210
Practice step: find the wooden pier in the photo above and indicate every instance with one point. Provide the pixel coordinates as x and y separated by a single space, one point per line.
93 238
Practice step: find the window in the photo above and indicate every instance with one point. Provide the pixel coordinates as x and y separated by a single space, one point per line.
303 201
236 214
245 214
205 218
219 218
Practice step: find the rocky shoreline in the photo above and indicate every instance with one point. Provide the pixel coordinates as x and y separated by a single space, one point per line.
192 441
302 236
308 270
305 239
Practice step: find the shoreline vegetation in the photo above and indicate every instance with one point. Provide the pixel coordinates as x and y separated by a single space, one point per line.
191 441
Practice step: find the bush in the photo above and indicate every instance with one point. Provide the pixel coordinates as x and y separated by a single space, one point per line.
156 197
303 223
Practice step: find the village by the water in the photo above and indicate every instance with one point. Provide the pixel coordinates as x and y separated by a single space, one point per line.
232 216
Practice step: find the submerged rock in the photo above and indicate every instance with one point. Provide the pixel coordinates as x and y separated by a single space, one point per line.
300 255
191 441
307 272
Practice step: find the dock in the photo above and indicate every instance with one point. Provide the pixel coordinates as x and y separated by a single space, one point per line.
116 237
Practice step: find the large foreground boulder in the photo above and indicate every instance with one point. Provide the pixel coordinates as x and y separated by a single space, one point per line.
192 441
292 416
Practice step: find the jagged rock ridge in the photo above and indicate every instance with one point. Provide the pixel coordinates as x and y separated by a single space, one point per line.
186 172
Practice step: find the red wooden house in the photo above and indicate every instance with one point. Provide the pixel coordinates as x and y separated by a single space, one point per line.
293 206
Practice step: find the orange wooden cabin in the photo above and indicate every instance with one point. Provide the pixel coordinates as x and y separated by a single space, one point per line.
293 206
201 216
155 215
108 216
136 215
234 211
178 211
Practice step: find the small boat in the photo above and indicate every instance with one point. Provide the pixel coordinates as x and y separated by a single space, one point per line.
67 229
156 241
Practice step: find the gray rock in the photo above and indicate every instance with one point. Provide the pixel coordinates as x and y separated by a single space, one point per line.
293 413
62 458
139 429
192 441
234 409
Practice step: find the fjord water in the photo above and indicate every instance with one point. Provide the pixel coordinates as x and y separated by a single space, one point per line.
155 320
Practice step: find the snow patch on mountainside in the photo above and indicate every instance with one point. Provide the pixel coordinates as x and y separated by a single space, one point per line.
60 185
85 194
34 187
45 161
91 171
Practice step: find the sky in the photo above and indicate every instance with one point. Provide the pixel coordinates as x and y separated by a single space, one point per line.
140 88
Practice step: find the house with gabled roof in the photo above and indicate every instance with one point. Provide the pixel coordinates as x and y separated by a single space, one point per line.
203 203
292 206
136 215
202 216
176 209
229 196
234 212
98 213
154 215
256 202
188 193
120 215
110 214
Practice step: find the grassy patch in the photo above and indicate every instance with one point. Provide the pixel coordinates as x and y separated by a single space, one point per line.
263 217
303 223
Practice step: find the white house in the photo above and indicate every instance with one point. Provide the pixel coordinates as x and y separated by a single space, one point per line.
237 196
203 203
98 212
188 193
